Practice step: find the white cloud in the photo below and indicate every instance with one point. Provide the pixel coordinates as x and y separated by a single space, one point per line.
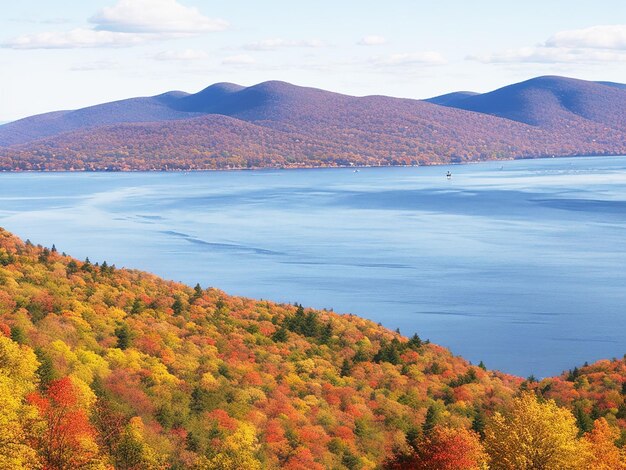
154 16
550 55
595 37
127 23
595 44
372 41
278 43
76 38
406 59
184 55
241 59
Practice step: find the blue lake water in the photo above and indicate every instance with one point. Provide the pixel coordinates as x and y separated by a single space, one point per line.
519 264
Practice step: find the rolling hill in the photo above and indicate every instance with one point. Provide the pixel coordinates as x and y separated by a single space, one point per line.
106 368
451 98
550 102
279 124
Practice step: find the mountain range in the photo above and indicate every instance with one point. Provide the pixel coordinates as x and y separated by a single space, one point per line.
276 124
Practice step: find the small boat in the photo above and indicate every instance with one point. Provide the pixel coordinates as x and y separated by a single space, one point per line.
449 175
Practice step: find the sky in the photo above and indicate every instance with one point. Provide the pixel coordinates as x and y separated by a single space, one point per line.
67 54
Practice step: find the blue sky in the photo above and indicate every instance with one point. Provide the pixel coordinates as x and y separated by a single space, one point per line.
63 54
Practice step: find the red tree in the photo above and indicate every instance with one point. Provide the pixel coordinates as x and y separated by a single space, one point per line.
67 438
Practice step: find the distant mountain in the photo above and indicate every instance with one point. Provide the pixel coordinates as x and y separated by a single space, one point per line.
279 124
156 108
453 97
550 102
613 84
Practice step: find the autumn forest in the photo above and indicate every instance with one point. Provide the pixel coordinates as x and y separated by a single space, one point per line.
112 368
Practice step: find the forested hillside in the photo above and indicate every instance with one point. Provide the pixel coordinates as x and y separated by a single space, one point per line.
276 124
111 368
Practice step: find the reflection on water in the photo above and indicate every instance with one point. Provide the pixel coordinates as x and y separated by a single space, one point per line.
518 264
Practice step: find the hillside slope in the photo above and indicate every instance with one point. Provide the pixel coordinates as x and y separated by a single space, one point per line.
451 98
151 109
551 102
103 366
279 124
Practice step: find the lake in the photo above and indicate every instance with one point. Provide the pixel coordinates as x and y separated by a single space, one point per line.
521 264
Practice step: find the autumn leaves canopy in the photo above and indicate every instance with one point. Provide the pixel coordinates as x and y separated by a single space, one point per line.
103 367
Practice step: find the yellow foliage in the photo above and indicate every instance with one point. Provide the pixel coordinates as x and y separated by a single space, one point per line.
160 373
129 358
294 381
534 435
209 382
17 378
238 451
85 394
116 314
92 363
306 366
251 395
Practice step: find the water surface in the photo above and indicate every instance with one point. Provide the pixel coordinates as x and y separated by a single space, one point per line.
519 264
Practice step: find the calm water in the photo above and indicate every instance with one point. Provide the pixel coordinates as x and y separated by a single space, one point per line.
520 264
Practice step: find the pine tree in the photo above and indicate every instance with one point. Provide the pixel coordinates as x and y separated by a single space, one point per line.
18 335
124 336
197 292
178 306
583 420
478 423
433 415
346 368
280 335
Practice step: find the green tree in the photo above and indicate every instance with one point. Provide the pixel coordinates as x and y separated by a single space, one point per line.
583 420
433 416
124 336
479 421
18 335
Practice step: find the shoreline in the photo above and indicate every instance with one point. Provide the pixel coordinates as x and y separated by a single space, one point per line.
315 167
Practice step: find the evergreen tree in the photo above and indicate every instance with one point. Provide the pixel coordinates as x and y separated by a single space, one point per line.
327 333
124 336
413 437
478 423
583 420
346 368
415 342
178 307
433 415
595 411
45 371
44 255
197 292
18 335
280 335
573 374
71 268
137 307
